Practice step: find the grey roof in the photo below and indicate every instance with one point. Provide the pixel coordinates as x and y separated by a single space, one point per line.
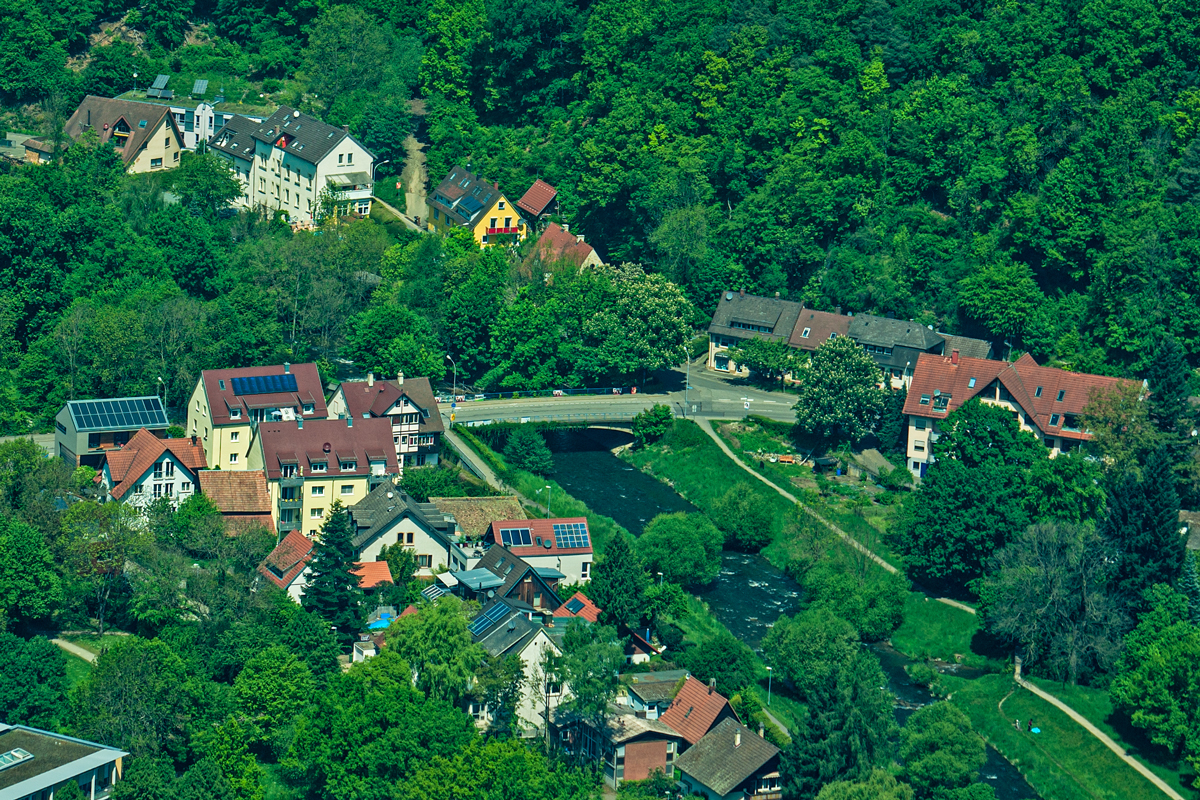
234 137
716 762
386 505
478 579
966 346
462 194
507 634
56 759
622 725
869 329
656 687
117 414
779 316
310 139
502 563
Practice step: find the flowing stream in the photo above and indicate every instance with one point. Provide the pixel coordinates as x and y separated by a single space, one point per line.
750 593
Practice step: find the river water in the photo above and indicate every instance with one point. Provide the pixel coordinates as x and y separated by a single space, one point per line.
750 593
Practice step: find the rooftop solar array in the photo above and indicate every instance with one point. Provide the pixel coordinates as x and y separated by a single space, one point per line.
161 82
432 592
127 413
200 87
488 618
515 537
574 605
570 534
265 384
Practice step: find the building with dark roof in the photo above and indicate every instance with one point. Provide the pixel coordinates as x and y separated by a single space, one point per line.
1046 402
35 764
731 762
539 199
558 244
465 199
740 317
312 463
144 135
563 545
242 497
84 430
289 161
502 575
387 517
410 405
227 405
147 468
697 709
625 745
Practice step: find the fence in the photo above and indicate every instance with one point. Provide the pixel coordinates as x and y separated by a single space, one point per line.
471 396
586 418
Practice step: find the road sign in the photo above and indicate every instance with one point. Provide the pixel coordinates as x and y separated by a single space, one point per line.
452 416
453 404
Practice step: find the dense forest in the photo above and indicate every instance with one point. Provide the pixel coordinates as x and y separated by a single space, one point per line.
1023 172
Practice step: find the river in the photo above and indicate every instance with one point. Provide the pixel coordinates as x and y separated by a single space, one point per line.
750 593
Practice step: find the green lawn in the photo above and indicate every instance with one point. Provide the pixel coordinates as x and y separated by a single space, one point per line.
92 642
77 670
1098 708
936 630
1063 762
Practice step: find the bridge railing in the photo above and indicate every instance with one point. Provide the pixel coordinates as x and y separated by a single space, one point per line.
467 397
594 417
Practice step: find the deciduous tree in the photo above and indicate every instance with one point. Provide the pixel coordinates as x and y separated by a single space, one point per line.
941 753
839 393
685 548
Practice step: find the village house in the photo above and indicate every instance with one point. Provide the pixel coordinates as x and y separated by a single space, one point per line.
227 406
740 317
85 430
578 605
473 516
502 575
409 404
242 497
147 468
311 464
649 694
145 136
539 200
557 244
563 546
36 764
731 763
387 517
1044 401
696 709
467 200
627 747
287 565
293 161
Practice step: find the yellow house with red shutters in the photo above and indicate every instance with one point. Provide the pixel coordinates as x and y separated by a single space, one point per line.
467 200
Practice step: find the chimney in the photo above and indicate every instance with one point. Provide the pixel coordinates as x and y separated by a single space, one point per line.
566 228
193 439
349 421
762 731
737 738
579 238
345 129
299 423
287 367
370 379
838 311
742 292
497 185
712 685
400 379
953 356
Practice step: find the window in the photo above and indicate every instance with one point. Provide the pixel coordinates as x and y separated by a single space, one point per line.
169 468
155 162
501 205
941 401
167 142
586 572
318 491
233 436
158 490
1037 392
971 383
93 440
316 513
158 471
350 158
425 562
492 222
508 222
137 489
833 335
319 466
288 471
1050 443
235 413
307 408
349 466
170 490
176 155
919 424
1054 420
186 486
347 488
924 399
408 539
233 458
919 446
287 493
1061 394
220 383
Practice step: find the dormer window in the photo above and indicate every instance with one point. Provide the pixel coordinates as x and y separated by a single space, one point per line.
319 466
924 399
306 408
349 466
1054 420
805 332
235 413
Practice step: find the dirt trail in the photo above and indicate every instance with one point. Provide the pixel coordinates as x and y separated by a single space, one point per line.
414 179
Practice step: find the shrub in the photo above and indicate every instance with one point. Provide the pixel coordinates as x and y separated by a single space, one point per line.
745 517
526 449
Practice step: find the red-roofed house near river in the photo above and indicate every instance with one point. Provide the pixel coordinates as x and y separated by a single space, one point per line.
563 545
1045 401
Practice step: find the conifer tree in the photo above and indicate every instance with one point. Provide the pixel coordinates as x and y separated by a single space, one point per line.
619 583
1189 586
1143 525
333 592
1167 377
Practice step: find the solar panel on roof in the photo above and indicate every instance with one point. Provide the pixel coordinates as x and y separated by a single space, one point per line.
126 413
265 384
488 618
161 82
432 592
575 605
154 93
570 534
515 537
199 87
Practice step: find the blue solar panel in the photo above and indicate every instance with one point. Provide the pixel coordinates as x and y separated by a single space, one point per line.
265 384
161 82
128 413
515 537
488 618
570 534
471 205
432 592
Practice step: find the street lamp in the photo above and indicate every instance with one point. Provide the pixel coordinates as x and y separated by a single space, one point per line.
660 580
135 81
455 363
769 672
375 169
546 489
164 398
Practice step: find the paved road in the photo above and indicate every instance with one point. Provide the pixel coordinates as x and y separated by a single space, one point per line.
46 440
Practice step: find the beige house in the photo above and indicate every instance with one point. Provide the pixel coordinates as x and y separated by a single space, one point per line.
145 135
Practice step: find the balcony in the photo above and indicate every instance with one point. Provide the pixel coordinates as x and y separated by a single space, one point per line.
294 503
295 480
496 231
287 527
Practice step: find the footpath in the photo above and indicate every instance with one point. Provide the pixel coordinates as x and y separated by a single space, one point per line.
1049 698
75 650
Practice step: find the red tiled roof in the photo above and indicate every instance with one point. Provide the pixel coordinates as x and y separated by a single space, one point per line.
1034 388
541 532
308 390
127 465
820 325
556 244
363 398
372 573
287 560
330 441
409 609
235 492
586 608
535 200
695 710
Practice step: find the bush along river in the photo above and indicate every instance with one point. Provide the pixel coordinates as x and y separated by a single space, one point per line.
750 593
